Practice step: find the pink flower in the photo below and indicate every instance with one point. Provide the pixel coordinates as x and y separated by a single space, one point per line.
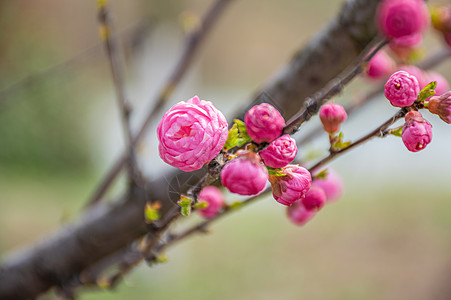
215 199
417 132
397 18
442 83
298 215
280 152
293 186
245 174
402 88
332 185
441 106
191 134
417 73
315 199
380 66
332 115
264 123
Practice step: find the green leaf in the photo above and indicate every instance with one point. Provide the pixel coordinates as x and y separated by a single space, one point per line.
275 172
151 212
162 258
185 204
235 205
321 175
201 205
237 136
339 144
396 131
427 91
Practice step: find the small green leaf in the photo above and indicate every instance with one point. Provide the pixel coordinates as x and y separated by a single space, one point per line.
151 212
427 91
162 258
237 136
235 205
339 144
396 131
201 205
321 175
275 172
232 138
185 204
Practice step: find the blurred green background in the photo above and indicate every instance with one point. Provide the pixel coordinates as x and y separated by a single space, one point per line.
388 238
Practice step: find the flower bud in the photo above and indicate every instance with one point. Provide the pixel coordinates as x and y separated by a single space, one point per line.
441 106
402 89
332 115
397 18
416 132
380 66
293 186
332 185
215 200
191 134
280 152
245 174
264 123
298 215
314 199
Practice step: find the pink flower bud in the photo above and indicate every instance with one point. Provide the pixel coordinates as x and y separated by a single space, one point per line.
215 199
314 199
417 73
441 106
245 174
405 46
280 152
191 134
264 123
442 82
298 215
332 185
380 66
417 132
402 88
293 186
397 18
332 115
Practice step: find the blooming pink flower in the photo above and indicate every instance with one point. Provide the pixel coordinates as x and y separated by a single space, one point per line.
441 106
442 82
298 215
264 123
402 88
191 134
332 185
332 115
314 199
280 152
416 132
417 73
397 18
215 199
293 186
380 66
245 174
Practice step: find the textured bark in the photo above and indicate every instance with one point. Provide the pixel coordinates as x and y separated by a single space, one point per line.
107 229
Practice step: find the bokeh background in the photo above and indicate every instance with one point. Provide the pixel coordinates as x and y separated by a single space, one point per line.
389 237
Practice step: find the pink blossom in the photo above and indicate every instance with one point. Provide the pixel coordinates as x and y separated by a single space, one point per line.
417 72
380 66
402 89
442 82
215 199
298 215
441 106
416 132
280 152
293 186
314 199
245 174
332 185
264 123
397 18
332 115
191 134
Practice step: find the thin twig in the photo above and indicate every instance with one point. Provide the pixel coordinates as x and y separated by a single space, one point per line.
192 44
